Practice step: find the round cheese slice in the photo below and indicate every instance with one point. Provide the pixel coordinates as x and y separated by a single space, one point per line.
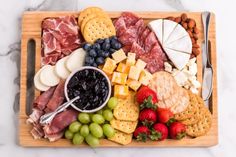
60 68
75 60
168 29
38 84
48 76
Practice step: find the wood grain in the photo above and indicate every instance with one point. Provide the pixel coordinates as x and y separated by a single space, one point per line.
31 29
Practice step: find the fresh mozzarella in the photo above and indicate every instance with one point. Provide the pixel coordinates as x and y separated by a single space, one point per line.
178 33
60 68
76 60
178 59
38 84
168 28
157 27
183 45
48 76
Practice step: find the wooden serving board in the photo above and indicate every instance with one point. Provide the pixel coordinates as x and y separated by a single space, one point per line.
31 30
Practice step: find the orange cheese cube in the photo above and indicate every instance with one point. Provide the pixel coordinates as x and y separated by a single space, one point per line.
119 78
121 91
123 68
134 73
145 77
133 84
109 66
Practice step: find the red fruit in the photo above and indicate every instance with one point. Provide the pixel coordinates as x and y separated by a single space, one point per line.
147 117
164 115
159 132
177 130
141 133
144 92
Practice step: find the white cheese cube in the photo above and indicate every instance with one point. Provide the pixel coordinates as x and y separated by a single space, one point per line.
134 73
140 64
194 90
168 67
193 69
175 72
192 61
181 78
196 84
145 77
130 59
119 56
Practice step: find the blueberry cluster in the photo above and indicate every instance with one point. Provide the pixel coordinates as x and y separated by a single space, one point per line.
100 50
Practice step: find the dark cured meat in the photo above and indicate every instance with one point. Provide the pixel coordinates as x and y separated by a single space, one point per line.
41 101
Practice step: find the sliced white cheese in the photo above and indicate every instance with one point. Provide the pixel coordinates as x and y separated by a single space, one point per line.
61 69
178 33
177 58
48 76
76 60
157 27
168 28
38 84
183 45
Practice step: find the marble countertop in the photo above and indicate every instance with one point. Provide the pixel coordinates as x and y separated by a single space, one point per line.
10 16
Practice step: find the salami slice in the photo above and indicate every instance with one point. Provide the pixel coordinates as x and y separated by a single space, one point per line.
150 41
137 49
129 18
143 36
120 26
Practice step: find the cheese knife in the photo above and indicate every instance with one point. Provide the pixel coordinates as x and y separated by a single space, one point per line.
206 68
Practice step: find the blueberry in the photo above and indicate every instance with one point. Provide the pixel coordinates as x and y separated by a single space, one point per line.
100 60
106 46
112 50
106 54
107 40
113 38
97 46
94 64
101 54
89 60
92 53
86 46
87 64
99 41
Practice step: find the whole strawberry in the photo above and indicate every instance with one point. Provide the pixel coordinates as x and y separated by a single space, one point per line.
159 132
147 116
177 130
144 92
141 133
164 115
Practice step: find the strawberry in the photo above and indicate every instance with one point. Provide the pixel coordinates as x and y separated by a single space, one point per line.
147 117
159 132
144 92
177 130
165 115
141 133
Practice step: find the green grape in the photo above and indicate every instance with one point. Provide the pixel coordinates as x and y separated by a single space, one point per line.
90 115
69 135
92 141
108 130
107 114
113 101
99 112
84 131
96 130
75 126
77 139
84 118
97 118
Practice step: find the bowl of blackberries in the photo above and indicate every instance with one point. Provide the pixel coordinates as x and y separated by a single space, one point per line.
100 50
91 85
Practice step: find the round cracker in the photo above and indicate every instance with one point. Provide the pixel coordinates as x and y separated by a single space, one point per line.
86 12
202 126
164 84
182 102
98 28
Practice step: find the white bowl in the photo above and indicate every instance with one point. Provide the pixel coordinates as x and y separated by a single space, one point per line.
109 89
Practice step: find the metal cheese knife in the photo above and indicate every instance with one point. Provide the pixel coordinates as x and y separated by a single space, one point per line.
207 68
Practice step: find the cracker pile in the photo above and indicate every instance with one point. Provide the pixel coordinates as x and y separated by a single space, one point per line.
95 23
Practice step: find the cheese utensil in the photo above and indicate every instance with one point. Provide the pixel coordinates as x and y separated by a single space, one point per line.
207 68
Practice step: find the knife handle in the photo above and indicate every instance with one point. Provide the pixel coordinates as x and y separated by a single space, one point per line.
206 20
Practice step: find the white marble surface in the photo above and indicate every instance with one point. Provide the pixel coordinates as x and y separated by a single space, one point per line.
10 13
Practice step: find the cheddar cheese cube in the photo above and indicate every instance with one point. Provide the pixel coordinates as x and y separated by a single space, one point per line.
109 66
119 56
140 64
145 77
130 59
134 73
123 68
119 78
121 91
133 84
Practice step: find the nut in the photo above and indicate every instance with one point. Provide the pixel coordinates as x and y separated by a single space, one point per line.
185 25
178 19
184 17
191 23
193 40
195 51
195 36
190 33
195 30
170 18
195 45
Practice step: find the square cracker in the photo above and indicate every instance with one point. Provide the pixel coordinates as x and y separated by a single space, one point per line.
121 138
124 126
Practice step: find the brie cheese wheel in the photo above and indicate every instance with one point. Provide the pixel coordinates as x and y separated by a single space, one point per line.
156 26
179 59
38 84
61 69
48 76
168 28
76 60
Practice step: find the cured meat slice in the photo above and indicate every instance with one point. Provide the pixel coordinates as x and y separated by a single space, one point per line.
54 137
37 131
120 26
137 49
129 18
34 116
150 41
143 36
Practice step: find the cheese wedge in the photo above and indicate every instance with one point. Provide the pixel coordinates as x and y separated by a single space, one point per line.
38 84
48 76
76 60
177 58
61 69
156 26
168 28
